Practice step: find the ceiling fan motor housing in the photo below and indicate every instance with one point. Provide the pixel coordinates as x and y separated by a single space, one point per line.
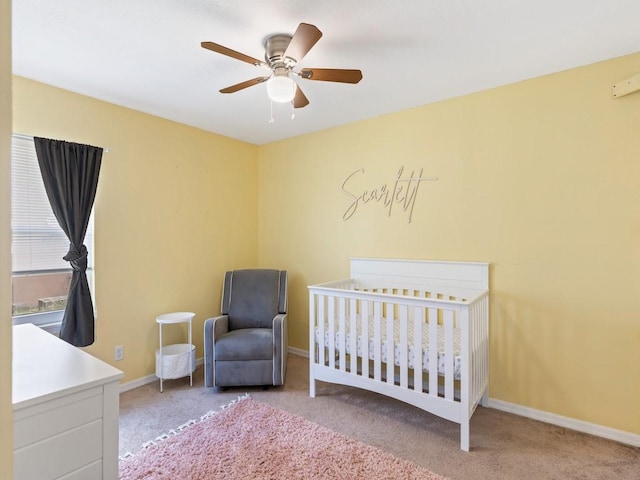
274 48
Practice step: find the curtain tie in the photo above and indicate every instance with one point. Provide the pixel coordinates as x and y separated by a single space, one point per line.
77 258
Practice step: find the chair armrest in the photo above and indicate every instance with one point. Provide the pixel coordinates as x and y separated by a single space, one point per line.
279 320
214 327
280 348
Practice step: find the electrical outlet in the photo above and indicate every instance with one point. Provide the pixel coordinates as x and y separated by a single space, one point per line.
119 353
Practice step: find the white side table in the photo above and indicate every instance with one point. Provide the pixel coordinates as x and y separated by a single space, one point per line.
177 360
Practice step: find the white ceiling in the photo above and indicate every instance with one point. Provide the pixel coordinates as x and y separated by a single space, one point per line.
146 54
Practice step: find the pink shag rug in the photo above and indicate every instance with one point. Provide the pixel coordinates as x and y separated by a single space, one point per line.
252 440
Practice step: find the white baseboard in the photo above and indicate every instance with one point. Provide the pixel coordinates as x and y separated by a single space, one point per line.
139 382
567 422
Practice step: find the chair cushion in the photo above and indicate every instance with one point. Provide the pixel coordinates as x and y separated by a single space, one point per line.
245 344
252 298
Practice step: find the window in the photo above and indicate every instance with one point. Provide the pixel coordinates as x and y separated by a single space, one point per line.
40 276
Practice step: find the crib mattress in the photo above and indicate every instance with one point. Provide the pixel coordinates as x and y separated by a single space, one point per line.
397 350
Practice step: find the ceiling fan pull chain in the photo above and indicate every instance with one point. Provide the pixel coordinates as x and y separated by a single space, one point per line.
271 120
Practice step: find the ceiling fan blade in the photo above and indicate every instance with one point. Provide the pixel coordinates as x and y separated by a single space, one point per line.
332 75
303 40
241 85
232 53
300 100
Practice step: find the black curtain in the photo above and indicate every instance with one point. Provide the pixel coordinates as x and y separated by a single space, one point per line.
70 174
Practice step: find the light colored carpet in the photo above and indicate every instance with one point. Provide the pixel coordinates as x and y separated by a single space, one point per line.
253 440
503 446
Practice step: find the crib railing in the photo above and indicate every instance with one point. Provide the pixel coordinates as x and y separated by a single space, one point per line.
453 382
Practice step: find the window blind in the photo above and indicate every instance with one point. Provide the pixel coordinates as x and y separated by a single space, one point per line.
38 243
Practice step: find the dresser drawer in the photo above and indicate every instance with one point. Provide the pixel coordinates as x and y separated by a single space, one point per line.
60 454
47 419
88 472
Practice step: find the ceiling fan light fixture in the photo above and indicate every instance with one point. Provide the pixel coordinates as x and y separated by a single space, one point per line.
281 88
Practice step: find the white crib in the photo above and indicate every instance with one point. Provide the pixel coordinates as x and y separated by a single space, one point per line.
418 314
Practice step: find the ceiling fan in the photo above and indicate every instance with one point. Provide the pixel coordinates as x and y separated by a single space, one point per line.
282 54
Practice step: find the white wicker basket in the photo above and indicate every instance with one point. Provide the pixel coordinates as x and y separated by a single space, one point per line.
174 362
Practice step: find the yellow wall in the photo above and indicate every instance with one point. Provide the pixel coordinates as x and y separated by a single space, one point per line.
176 207
539 178
6 410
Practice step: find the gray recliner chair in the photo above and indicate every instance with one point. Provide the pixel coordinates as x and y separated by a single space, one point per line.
247 344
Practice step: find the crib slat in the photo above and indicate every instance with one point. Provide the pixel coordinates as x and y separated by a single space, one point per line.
466 393
404 353
482 333
418 321
476 360
353 336
433 352
321 331
365 339
312 343
332 330
485 336
390 345
341 331
473 351
449 354
377 342
484 312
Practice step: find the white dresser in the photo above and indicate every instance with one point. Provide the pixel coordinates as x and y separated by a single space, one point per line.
65 410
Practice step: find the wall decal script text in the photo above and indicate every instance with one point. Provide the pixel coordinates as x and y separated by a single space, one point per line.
403 191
